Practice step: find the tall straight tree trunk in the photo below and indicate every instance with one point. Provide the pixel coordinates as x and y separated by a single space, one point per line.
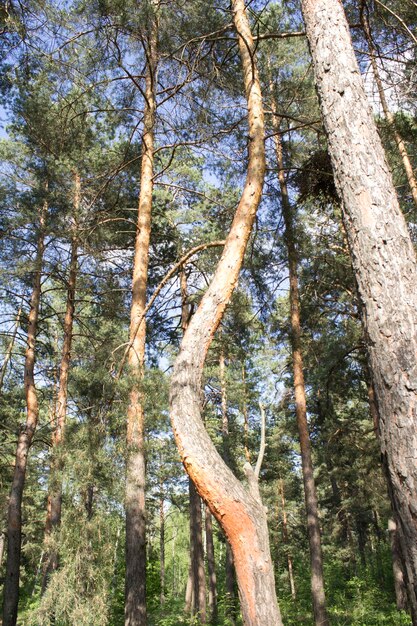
54 506
402 148
135 580
10 347
310 494
383 259
238 510
196 599
14 513
211 566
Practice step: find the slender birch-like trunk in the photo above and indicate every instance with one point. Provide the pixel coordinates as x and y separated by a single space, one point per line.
238 510
383 258
135 580
54 505
310 493
14 513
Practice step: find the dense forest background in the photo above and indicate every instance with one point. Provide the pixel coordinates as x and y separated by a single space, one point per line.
84 85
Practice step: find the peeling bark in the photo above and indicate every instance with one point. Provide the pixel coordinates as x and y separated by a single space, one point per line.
240 514
383 259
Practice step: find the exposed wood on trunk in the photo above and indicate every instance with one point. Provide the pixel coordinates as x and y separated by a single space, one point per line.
241 516
10 347
54 505
383 259
14 513
310 494
211 566
402 148
135 580
286 541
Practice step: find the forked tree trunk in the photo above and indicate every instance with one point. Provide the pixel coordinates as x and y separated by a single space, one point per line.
54 505
238 510
383 259
14 513
402 148
310 493
135 580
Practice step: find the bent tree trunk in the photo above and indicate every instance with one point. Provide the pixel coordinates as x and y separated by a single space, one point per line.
239 513
54 506
14 513
383 259
135 580
310 493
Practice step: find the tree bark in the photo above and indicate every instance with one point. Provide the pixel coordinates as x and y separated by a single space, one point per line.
310 493
383 259
14 513
402 148
54 505
135 580
239 512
